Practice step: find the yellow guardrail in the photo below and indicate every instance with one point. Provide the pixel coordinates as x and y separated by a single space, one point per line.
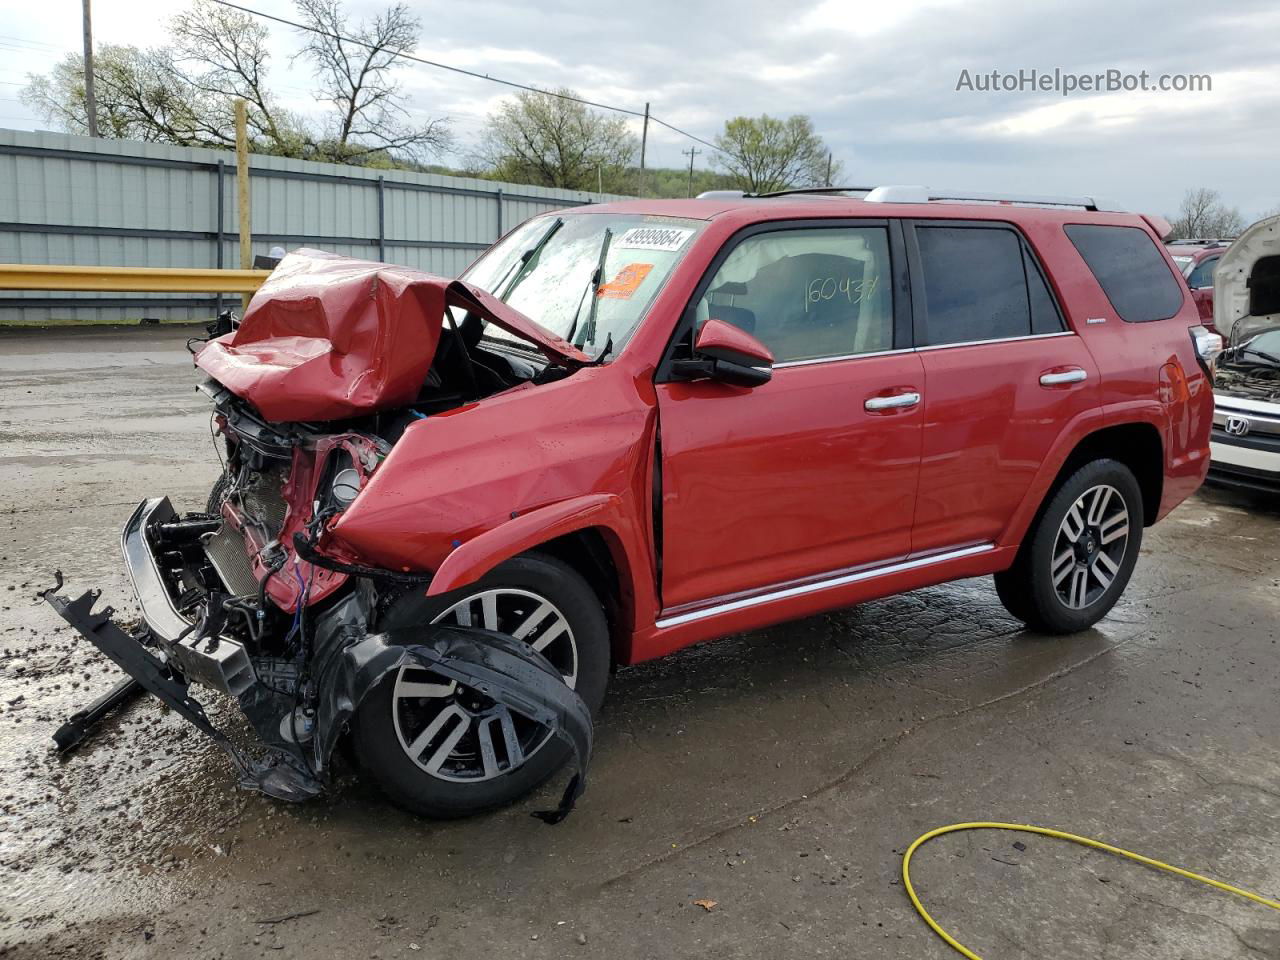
28 276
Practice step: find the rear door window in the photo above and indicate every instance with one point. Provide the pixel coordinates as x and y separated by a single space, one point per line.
981 283
1130 270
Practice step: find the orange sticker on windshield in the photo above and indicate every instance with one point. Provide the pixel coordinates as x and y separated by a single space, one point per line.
626 282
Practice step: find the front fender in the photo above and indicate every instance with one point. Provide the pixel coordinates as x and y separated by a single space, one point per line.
471 560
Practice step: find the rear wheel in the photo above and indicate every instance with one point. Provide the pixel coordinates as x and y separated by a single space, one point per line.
1078 557
442 750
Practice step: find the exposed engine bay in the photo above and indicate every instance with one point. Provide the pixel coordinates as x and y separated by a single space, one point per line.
1242 373
333 362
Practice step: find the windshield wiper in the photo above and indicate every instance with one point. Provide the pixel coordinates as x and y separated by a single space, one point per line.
1269 357
597 277
527 258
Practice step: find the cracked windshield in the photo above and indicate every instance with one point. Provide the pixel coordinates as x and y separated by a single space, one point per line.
587 278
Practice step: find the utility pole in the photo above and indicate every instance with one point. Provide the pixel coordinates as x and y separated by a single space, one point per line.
828 168
690 153
644 142
90 101
242 192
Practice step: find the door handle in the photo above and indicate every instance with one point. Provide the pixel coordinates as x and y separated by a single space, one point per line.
890 403
1057 379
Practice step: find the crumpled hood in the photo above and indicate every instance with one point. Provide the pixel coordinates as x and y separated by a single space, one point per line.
328 337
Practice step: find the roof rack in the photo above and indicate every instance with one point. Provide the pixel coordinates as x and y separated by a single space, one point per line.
913 193
919 194
795 190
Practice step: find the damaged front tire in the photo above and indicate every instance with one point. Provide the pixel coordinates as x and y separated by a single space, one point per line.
441 750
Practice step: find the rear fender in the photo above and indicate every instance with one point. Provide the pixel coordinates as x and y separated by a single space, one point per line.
1072 435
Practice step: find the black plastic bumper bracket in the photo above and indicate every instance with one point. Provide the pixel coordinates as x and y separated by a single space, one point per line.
279 780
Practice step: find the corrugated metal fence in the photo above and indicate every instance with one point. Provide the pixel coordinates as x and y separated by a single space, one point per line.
72 200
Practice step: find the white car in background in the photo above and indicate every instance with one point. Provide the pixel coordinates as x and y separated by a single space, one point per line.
1246 311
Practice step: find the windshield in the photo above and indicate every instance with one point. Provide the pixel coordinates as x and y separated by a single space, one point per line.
1184 263
548 270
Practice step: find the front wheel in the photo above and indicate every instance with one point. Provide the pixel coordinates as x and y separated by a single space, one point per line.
439 749
1077 559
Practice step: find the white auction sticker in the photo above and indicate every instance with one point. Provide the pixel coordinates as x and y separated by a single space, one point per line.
654 238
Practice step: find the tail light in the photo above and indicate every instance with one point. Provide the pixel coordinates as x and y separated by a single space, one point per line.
1208 345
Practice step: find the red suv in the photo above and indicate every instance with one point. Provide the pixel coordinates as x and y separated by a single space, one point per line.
451 508
1196 260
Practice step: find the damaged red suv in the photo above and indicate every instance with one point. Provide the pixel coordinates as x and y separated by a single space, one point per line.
450 508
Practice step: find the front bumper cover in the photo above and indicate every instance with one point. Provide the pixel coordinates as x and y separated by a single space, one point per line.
347 661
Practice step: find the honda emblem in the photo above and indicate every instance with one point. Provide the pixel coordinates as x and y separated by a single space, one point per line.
1237 426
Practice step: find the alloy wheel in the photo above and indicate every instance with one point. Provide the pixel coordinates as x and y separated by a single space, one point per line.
1090 546
455 733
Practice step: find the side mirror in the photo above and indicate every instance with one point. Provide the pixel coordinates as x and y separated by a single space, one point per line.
729 355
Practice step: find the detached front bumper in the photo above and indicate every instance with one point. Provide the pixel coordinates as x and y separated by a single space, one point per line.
218 662
347 660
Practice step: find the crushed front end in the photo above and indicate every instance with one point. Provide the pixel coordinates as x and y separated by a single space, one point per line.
249 597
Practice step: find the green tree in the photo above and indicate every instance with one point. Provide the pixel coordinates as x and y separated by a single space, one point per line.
545 139
763 154
139 97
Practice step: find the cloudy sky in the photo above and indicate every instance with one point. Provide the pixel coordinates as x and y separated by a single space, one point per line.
879 80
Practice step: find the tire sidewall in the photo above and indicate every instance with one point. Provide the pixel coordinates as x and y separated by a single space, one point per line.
377 747
1057 614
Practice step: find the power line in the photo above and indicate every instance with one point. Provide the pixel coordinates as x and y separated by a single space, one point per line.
29 42
467 73
685 133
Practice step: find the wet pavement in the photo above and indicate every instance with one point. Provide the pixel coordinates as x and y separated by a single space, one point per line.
779 773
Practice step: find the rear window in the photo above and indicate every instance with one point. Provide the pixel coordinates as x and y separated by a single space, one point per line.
1130 270
981 284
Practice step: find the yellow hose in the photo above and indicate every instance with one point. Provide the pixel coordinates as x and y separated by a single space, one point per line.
1046 832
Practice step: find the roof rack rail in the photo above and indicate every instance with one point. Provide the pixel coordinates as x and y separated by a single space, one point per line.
914 193
921 194
803 190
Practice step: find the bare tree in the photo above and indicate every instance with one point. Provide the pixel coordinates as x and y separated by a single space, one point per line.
1203 214
222 55
184 93
353 65
765 153
547 139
